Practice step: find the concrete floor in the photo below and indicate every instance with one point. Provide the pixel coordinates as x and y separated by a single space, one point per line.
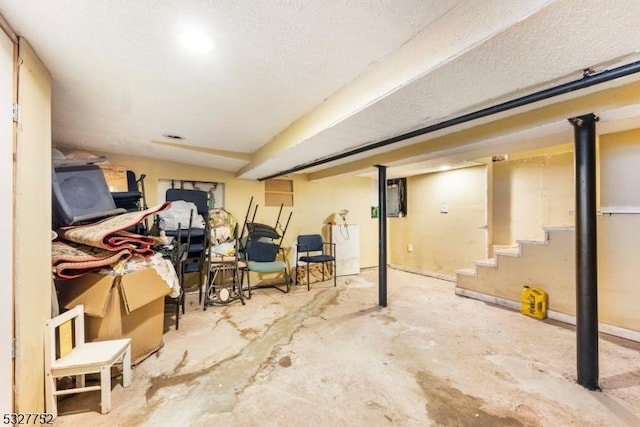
331 357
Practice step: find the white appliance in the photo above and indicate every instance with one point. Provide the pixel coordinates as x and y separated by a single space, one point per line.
347 240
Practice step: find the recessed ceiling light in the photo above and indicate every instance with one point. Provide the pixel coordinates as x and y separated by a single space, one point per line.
174 137
196 40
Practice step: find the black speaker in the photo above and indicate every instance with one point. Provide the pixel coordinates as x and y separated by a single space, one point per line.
80 194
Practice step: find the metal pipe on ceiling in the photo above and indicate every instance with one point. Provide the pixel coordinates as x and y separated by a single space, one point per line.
586 81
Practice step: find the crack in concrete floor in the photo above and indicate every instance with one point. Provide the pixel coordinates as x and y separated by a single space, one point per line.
215 388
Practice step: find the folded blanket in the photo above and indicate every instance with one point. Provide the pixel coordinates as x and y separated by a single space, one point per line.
69 259
180 214
109 233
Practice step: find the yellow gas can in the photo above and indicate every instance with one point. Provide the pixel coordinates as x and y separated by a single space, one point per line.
534 302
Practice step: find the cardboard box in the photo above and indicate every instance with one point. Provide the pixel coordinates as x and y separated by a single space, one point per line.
127 306
116 177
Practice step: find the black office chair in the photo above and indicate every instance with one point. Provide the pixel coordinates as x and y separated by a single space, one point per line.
130 199
310 249
198 236
178 259
133 199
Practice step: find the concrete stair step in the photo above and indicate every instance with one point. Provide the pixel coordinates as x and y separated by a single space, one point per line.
513 251
471 272
489 262
559 228
532 242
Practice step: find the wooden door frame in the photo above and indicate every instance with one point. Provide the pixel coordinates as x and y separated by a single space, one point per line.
8 93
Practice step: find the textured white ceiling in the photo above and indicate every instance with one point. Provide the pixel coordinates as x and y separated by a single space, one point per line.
291 81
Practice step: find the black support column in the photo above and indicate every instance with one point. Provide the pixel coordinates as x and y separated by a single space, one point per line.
382 232
586 251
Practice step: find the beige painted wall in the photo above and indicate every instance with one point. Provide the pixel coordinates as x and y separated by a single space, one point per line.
620 174
619 270
540 191
619 233
313 201
531 193
32 229
442 243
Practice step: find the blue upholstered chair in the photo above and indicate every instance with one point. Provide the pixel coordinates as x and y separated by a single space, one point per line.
310 249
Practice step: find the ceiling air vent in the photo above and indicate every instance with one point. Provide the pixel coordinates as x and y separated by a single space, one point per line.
500 158
173 137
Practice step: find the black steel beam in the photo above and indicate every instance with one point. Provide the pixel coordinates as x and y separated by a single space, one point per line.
586 81
586 250
382 238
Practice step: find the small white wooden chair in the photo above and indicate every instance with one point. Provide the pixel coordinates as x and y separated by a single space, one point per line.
83 358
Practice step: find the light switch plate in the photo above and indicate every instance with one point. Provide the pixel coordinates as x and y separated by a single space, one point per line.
444 208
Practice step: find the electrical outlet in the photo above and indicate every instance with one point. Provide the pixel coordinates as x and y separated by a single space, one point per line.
444 208
410 247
